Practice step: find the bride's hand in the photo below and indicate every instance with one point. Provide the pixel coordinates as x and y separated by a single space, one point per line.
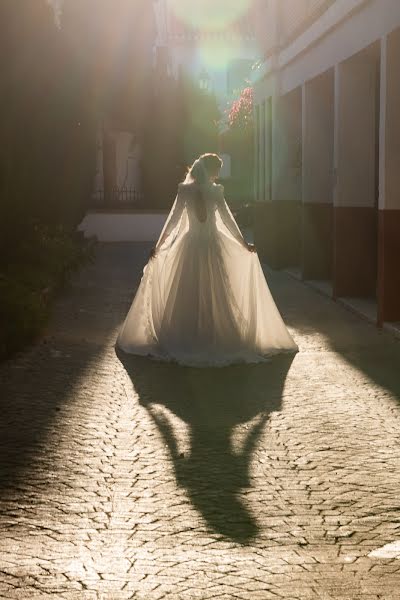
251 248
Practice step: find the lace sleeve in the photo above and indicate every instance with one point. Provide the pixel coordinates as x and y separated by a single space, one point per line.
228 218
173 218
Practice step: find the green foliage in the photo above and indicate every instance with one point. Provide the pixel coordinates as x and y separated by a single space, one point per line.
238 141
48 129
23 314
200 120
28 284
162 163
111 42
56 85
182 124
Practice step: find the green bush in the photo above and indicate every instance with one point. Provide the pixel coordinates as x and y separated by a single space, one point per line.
29 283
23 314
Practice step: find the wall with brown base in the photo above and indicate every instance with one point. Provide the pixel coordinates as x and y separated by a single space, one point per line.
277 233
355 252
317 240
389 266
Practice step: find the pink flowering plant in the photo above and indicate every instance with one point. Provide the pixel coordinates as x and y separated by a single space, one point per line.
241 113
239 143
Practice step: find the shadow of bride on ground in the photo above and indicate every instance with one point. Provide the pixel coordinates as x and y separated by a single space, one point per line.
224 411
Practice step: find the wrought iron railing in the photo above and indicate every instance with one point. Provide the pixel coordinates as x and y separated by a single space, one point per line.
117 198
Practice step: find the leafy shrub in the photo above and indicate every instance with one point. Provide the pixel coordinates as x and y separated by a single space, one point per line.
29 283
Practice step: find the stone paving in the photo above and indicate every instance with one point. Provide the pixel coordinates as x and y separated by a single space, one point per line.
127 478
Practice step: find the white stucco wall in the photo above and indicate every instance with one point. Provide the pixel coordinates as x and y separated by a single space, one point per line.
123 227
344 29
317 139
355 133
347 27
127 159
338 38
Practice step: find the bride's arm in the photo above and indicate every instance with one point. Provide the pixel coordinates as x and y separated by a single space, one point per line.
229 220
172 219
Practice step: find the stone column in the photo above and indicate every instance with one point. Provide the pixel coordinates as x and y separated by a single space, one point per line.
355 190
317 177
389 181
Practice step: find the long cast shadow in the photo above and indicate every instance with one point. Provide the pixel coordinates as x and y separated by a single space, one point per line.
39 382
212 402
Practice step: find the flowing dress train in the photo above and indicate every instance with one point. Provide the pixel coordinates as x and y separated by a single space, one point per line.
203 299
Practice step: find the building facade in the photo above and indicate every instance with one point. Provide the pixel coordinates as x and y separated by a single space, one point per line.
327 175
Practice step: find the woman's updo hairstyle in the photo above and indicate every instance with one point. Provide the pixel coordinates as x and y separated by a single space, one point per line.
206 166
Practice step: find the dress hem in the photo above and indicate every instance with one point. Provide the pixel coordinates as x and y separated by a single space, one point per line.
240 360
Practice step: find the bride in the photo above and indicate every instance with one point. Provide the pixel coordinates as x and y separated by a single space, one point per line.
203 299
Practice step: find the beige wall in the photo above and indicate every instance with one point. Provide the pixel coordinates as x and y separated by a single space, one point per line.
337 36
318 129
287 147
123 227
390 123
355 131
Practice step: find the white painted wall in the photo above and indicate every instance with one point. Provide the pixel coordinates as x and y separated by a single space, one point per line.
127 159
317 139
98 185
123 227
344 29
355 133
226 167
287 147
128 156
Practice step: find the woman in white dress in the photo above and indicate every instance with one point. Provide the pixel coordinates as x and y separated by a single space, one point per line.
203 299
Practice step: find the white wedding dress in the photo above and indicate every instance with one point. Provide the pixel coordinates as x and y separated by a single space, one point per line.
203 299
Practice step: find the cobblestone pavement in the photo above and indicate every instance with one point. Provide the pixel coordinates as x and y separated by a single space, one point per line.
141 480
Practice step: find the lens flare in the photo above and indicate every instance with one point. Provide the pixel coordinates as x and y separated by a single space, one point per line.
216 56
209 15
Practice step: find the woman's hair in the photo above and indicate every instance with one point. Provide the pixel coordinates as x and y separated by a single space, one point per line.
206 166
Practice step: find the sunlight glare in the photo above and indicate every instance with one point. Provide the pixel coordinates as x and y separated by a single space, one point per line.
209 15
217 56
